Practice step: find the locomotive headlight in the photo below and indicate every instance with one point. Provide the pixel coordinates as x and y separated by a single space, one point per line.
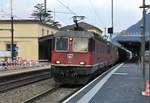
82 63
57 62
70 39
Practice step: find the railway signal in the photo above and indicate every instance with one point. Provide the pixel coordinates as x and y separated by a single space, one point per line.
110 30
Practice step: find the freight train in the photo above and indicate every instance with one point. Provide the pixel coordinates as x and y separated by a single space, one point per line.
78 55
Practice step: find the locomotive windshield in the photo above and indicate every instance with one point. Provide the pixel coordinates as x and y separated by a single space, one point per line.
62 44
80 45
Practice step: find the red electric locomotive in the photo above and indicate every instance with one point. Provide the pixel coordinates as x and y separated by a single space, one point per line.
77 55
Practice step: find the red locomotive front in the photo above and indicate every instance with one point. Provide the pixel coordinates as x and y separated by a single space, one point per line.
72 56
71 51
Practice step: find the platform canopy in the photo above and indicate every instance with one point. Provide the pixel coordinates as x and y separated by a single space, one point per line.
45 38
132 37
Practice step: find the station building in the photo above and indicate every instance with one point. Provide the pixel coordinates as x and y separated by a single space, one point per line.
26 37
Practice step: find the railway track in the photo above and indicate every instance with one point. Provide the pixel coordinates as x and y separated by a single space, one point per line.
38 96
54 95
14 81
51 94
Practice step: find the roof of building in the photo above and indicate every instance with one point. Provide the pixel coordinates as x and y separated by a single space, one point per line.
44 38
27 21
81 24
133 38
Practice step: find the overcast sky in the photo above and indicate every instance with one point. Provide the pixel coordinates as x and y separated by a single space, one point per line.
97 12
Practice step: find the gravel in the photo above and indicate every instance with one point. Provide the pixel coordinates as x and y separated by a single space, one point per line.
20 94
57 96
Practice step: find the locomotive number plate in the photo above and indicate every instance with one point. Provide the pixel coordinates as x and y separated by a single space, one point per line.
69 56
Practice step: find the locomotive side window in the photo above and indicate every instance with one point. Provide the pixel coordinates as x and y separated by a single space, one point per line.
80 45
61 44
91 45
53 44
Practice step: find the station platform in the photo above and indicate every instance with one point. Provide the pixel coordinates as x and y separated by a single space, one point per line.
10 72
122 84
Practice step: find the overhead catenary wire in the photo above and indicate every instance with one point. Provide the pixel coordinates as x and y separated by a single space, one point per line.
1 4
3 12
67 8
96 14
70 11
60 12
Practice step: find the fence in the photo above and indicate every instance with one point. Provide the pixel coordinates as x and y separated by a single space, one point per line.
17 64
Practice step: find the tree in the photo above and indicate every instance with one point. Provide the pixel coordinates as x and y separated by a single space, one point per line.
42 15
56 24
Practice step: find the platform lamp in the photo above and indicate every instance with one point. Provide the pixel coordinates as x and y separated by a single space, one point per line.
12 32
143 30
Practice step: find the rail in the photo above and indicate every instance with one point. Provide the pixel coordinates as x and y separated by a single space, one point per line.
49 91
14 81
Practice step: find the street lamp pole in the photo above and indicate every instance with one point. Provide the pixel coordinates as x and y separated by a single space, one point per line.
112 14
45 3
143 39
12 33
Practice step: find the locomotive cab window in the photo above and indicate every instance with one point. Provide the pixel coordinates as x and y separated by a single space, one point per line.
80 45
61 44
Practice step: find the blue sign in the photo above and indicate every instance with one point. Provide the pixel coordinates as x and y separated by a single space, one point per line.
15 48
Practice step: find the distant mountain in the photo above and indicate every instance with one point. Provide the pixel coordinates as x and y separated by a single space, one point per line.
136 27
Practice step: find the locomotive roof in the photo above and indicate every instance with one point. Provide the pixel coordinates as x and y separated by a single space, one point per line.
82 25
74 34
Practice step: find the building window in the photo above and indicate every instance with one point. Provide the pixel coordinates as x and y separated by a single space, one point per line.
47 32
8 47
42 32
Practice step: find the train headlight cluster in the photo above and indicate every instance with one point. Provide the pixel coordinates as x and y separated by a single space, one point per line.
82 63
57 62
